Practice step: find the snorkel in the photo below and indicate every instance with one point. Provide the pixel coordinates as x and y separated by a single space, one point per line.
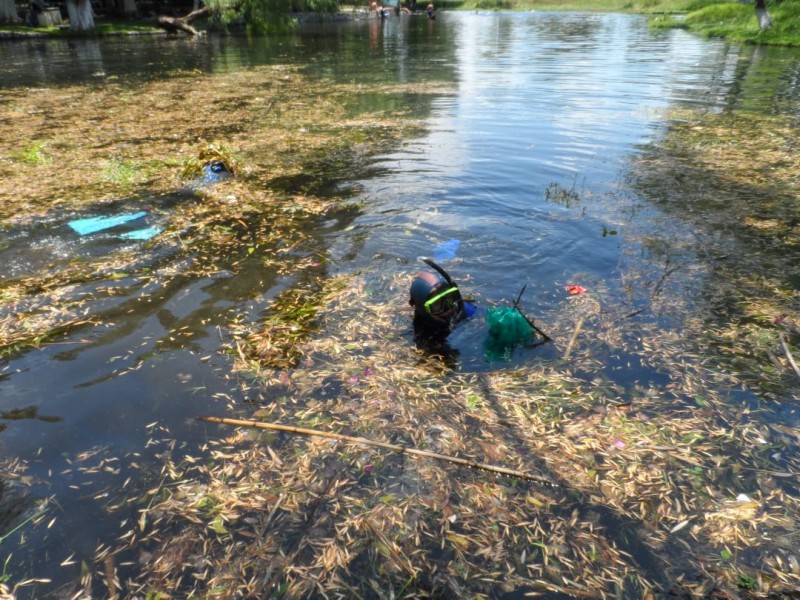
439 270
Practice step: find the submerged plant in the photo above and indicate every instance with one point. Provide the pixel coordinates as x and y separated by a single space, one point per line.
122 173
557 193
35 154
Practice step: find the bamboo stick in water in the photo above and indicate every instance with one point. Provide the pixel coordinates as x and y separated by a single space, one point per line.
394 447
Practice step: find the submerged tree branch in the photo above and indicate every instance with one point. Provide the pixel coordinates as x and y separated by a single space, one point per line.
359 440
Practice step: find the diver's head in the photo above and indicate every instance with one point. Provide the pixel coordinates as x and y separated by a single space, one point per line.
435 298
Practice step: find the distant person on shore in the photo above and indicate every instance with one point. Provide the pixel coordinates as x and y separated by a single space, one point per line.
431 11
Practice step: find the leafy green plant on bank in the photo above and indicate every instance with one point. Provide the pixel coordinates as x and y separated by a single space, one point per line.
34 154
493 4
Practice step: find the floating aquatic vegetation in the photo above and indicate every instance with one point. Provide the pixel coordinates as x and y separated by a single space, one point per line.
279 341
664 486
559 194
748 231
642 491
257 137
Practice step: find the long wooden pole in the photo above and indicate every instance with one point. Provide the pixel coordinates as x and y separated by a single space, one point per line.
359 440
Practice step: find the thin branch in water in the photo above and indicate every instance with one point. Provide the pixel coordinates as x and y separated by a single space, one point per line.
789 354
546 337
575 333
365 441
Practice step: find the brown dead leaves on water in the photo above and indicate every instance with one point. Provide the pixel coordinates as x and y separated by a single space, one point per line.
733 178
660 487
654 495
74 149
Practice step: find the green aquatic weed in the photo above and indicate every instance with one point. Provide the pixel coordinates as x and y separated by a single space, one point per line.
35 154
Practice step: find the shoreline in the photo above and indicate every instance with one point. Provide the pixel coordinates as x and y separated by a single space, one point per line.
22 32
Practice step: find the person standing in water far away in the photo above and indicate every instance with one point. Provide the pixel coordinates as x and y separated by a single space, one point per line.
377 8
431 11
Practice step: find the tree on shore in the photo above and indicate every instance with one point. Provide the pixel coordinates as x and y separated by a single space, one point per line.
175 24
8 12
259 16
271 16
81 16
127 7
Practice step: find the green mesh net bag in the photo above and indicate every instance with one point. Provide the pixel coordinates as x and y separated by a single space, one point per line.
507 330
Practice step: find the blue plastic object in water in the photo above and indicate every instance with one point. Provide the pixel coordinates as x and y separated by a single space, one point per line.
215 171
141 234
446 250
95 224
470 309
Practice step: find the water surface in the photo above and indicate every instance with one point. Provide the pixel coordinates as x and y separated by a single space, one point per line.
524 161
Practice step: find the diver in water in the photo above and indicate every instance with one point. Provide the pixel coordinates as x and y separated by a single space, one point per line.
438 305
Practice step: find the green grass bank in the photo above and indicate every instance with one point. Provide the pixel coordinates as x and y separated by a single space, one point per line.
737 22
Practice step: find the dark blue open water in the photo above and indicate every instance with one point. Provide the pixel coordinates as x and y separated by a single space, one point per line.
540 106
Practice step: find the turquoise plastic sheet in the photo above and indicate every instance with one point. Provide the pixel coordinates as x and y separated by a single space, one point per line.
95 224
141 234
